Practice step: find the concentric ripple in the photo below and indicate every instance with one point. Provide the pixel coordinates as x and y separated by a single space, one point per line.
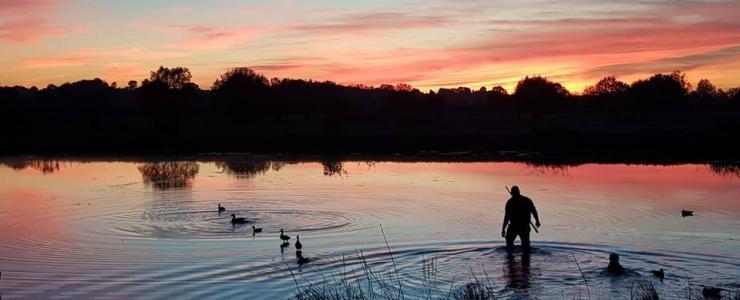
178 223
103 233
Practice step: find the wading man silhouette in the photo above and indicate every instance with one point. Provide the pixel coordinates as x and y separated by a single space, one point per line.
517 217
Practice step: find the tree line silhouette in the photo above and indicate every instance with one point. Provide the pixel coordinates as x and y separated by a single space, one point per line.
246 111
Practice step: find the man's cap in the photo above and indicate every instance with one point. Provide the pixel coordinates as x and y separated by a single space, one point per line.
515 190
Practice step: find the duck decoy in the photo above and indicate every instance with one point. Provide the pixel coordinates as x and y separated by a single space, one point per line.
283 236
711 292
686 213
256 230
221 208
298 244
659 273
235 220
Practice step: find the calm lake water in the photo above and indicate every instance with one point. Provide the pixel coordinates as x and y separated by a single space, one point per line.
150 230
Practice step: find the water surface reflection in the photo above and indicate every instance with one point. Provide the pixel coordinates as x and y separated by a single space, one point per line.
151 228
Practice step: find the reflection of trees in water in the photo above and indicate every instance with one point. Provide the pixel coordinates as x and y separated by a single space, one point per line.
248 168
251 167
725 169
332 167
43 166
550 168
170 174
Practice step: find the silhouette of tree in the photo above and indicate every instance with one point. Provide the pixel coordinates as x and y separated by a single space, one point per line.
168 101
499 98
173 78
680 77
403 87
387 87
499 91
705 89
733 98
132 85
661 91
246 112
539 94
607 86
241 79
241 90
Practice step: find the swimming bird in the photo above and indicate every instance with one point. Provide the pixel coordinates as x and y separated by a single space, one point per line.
300 259
659 273
235 220
221 208
283 236
298 244
711 292
256 230
686 213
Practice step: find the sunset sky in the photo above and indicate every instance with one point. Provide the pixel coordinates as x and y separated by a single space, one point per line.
426 43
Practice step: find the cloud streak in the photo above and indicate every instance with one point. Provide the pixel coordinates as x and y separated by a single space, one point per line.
30 21
428 43
369 22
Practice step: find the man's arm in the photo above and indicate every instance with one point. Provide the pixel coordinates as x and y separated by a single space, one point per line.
534 213
506 220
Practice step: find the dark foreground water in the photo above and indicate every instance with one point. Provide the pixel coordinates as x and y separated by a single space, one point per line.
150 230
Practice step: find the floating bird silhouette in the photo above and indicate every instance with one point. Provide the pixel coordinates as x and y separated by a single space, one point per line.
283 236
711 292
256 230
221 208
235 220
298 244
300 259
659 273
686 213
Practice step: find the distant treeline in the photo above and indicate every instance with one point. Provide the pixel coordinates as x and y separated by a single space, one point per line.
245 111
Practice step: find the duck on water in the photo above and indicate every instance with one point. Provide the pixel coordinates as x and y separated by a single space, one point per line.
235 220
285 238
298 244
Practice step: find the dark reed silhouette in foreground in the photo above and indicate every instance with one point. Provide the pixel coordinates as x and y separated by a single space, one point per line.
245 111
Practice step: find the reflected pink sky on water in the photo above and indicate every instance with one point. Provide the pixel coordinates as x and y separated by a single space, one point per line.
97 217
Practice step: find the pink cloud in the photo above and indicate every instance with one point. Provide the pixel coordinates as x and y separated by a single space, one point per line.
130 53
88 56
30 20
20 6
31 30
55 62
636 43
212 38
368 22
124 71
